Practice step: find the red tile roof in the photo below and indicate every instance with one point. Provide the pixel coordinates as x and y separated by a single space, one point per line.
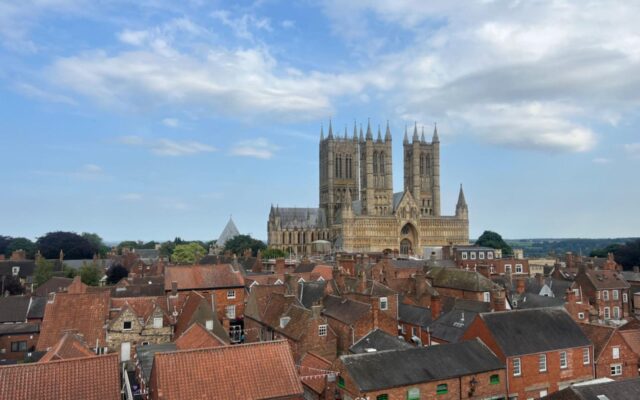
632 337
55 284
250 371
143 307
89 378
599 336
198 337
85 314
70 346
202 277
312 371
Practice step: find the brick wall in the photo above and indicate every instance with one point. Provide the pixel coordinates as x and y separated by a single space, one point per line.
627 359
6 340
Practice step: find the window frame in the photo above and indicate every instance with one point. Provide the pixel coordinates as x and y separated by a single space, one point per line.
615 352
384 301
625 297
519 269
494 379
542 363
323 329
464 255
489 255
605 295
564 362
586 356
19 346
442 388
615 369
472 255
227 312
606 313
615 295
157 325
616 312
516 366
481 255
124 325
580 315
231 293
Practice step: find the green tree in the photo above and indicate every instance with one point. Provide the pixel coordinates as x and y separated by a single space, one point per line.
166 249
12 285
115 273
495 241
273 253
43 272
96 243
74 246
238 244
68 272
4 243
21 243
90 274
188 253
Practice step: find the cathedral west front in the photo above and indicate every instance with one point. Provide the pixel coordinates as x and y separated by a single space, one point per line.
358 210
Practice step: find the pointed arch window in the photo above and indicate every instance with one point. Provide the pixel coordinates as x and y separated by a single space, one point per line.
421 164
375 162
381 156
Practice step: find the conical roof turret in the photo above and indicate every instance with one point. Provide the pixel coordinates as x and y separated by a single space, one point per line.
369 134
415 132
379 138
422 136
387 134
435 138
406 136
330 131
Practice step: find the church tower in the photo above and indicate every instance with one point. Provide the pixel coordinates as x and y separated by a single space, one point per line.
376 173
422 171
338 171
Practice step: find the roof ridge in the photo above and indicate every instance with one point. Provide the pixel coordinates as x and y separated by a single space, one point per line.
224 348
46 364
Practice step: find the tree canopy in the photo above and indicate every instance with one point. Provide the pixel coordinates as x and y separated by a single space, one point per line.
96 243
188 253
495 241
115 273
74 246
90 274
273 253
238 244
627 255
43 272
21 243
12 285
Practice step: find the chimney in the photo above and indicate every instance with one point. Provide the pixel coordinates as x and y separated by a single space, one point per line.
484 270
279 266
570 296
362 282
497 295
520 287
246 253
436 307
316 309
18 255
347 264
610 264
375 309
174 288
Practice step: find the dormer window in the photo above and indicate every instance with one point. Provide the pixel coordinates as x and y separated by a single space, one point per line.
481 255
126 326
284 321
209 324
322 330
490 255
473 255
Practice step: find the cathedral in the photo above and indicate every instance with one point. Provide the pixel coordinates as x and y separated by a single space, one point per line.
358 211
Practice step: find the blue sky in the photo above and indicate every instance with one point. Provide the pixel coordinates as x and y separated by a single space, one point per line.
154 119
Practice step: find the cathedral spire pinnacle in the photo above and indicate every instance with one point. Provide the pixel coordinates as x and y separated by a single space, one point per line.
435 139
406 135
361 135
369 134
355 131
422 136
461 200
345 132
330 130
379 139
415 132
461 208
321 132
387 135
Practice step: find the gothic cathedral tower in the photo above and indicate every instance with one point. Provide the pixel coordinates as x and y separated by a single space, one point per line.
422 171
376 173
338 171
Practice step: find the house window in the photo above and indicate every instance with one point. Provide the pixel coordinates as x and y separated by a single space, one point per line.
209 324
383 396
341 382
494 379
413 331
614 294
516 367
473 255
507 268
492 269
616 312
402 329
322 330
486 297
616 369
19 346
384 304
607 313
231 294
518 268
126 326
580 315
542 363
615 353
585 356
464 255
442 388
605 295
413 394
625 298
230 311
481 255
490 255
15 271
563 359
145 343
157 322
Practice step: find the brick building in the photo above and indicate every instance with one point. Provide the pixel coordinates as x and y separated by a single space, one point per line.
613 357
544 349
606 290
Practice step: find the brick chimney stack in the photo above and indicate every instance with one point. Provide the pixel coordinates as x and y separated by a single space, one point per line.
436 307
174 288
497 296
520 286
279 266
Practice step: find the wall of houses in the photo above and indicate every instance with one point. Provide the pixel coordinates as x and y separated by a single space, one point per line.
607 364
31 340
140 332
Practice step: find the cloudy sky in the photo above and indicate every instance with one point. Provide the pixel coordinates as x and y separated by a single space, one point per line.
149 120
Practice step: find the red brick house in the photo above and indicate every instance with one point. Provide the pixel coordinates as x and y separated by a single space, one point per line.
246 371
607 291
468 285
452 371
314 374
544 349
613 356
20 318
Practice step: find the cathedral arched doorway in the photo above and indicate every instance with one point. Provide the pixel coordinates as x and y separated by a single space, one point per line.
405 247
408 239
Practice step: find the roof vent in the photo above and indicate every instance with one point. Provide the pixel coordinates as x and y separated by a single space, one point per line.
370 350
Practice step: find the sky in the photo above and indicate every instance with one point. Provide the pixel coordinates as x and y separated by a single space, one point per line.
152 119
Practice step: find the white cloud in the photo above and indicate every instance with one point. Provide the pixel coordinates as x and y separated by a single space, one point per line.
633 149
288 24
40 94
131 197
171 122
257 148
244 25
168 147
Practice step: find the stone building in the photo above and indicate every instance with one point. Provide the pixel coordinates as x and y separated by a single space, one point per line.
358 210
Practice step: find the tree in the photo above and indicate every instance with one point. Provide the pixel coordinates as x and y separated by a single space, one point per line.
627 255
74 246
44 271
115 273
238 244
21 243
96 243
273 253
68 272
90 274
166 249
188 253
4 242
495 241
12 285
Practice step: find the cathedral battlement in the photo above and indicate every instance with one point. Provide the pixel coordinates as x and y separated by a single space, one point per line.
358 210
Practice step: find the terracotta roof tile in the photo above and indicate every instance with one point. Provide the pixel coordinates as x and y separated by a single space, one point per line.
216 374
198 337
89 378
599 336
312 367
632 337
142 306
70 346
606 279
53 285
202 277
84 313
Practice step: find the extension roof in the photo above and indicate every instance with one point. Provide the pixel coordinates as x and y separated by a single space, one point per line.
599 336
606 279
379 341
518 332
70 346
213 373
53 285
312 367
460 279
198 337
14 308
627 389
451 326
145 354
345 310
311 293
203 277
397 368
414 315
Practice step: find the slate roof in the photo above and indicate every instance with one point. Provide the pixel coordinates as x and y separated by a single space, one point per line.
14 308
627 389
345 310
88 378
17 328
175 374
451 326
380 341
530 300
304 267
460 279
396 368
145 354
631 276
311 292
55 284
202 277
26 268
37 307
414 315
606 279
413 264
85 313
301 217
133 290
518 332
455 303
229 232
